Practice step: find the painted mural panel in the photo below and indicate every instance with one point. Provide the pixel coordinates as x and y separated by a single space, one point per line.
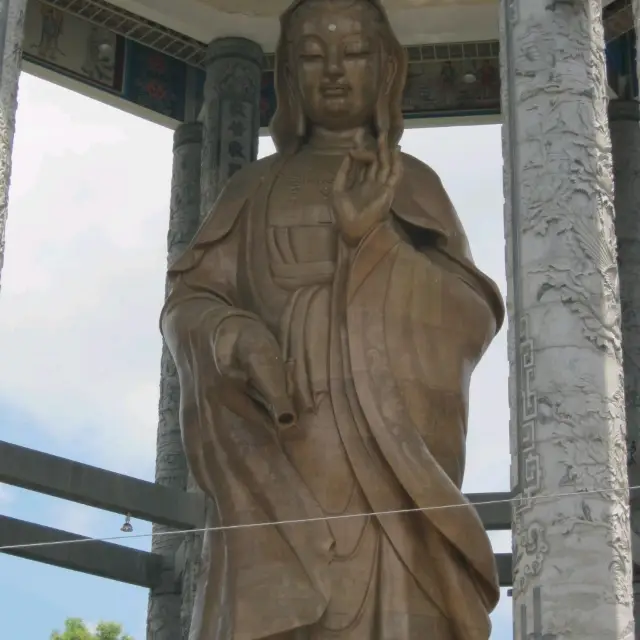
73 46
621 66
155 81
443 80
452 87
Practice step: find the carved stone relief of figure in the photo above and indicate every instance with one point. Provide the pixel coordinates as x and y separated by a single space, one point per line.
448 80
50 32
325 323
99 61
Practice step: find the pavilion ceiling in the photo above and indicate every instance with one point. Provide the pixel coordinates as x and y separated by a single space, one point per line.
269 8
158 35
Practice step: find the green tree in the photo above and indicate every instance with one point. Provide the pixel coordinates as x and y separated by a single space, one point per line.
76 629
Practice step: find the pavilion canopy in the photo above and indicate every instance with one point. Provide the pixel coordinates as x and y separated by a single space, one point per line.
415 21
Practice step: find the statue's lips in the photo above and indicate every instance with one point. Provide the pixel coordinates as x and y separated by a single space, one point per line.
334 91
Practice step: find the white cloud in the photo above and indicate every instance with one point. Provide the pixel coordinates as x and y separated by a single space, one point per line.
501 541
84 280
6 495
78 519
84 274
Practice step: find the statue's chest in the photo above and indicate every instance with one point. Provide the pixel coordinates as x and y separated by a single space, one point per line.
300 227
301 194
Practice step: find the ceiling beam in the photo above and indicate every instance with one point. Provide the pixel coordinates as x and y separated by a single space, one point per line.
102 559
617 19
113 561
95 487
494 509
505 570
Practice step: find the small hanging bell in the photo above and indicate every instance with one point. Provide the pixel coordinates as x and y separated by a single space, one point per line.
127 527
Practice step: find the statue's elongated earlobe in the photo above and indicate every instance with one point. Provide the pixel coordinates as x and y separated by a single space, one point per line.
295 104
390 71
298 112
382 111
382 114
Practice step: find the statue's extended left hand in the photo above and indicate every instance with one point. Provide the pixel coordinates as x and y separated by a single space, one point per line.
364 188
247 355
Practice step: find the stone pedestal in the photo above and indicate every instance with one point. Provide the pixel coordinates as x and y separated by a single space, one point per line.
624 123
572 555
12 13
165 603
231 112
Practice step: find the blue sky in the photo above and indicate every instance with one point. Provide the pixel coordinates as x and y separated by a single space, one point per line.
82 286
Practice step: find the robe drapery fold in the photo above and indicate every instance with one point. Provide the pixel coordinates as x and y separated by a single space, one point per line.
400 401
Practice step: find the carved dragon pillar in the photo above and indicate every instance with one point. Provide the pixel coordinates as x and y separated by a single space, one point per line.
12 14
572 555
231 113
165 602
231 126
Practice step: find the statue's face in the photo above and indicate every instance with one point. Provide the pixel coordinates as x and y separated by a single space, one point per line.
336 60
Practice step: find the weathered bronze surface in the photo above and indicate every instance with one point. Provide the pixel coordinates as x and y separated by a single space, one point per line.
325 324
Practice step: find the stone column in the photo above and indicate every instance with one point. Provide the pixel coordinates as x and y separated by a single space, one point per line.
12 14
572 555
231 119
165 603
624 123
231 112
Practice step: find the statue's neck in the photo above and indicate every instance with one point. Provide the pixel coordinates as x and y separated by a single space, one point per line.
339 141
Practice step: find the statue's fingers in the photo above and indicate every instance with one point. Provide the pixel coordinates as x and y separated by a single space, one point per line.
366 162
396 169
340 181
372 171
268 379
363 155
384 158
354 177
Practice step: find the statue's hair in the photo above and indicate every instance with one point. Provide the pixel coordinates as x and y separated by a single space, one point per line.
288 126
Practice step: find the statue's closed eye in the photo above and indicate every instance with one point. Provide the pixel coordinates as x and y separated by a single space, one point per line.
311 50
311 57
356 52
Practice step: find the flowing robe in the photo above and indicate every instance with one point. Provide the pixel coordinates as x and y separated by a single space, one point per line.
399 323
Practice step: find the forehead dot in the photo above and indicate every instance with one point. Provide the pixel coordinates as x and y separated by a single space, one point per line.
332 27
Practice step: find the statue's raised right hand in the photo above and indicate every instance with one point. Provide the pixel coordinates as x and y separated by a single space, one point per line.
364 188
248 356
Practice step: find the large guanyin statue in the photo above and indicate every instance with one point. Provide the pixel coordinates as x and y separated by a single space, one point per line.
325 323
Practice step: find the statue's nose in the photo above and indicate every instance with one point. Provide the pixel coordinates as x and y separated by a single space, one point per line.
334 67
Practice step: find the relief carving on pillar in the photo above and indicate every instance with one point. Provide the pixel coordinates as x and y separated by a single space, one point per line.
185 189
562 249
161 617
164 613
531 546
236 78
230 141
11 35
171 467
530 482
231 113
